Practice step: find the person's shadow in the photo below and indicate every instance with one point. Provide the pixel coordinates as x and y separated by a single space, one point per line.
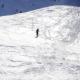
9 7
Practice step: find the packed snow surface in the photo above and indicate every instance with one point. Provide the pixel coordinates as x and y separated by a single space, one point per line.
54 55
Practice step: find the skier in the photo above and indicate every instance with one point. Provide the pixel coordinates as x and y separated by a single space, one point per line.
37 33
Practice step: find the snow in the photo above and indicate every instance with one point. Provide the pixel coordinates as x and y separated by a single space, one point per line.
54 55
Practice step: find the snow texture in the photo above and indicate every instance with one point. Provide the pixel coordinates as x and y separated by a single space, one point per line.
53 55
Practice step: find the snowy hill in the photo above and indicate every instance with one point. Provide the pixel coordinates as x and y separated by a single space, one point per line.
54 55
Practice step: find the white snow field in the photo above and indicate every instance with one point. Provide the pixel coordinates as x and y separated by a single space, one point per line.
54 55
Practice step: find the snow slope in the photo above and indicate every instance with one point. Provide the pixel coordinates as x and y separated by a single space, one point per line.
54 55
